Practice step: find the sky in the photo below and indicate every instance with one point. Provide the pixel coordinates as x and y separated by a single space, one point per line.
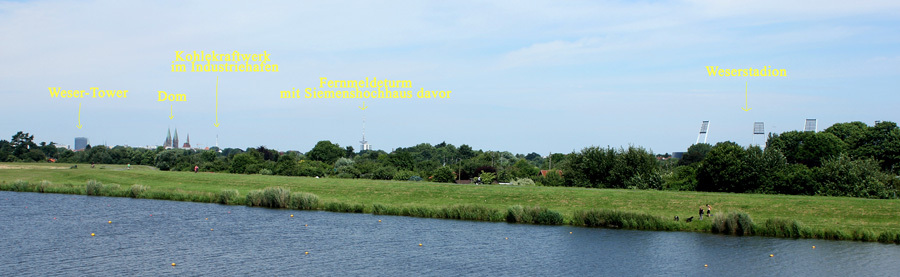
525 76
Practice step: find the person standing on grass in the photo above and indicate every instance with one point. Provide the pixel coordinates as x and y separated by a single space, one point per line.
701 212
196 168
708 209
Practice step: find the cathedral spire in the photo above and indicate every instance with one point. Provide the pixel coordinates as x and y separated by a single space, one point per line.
175 139
168 142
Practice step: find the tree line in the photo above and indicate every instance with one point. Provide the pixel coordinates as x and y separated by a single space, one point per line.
847 159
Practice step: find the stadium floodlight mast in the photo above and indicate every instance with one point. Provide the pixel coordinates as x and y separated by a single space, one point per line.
704 131
758 129
811 125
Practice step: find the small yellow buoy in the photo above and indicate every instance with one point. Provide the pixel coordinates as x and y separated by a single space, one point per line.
173 264
814 247
207 218
110 222
92 234
292 215
307 253
420 244
570 232
706 265
379 220
210 229
507 238
771 255
305 225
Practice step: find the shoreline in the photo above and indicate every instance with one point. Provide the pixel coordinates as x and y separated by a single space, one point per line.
834 218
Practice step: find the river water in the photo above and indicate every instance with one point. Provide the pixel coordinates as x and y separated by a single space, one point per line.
50 234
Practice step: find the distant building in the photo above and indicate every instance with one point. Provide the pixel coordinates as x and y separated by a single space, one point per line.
187 144
168 143
544 172
81 143
172 142
175 139
677 155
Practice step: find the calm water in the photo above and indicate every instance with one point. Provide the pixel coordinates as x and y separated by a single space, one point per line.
50 234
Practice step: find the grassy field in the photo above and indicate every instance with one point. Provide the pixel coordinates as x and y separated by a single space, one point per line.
819 213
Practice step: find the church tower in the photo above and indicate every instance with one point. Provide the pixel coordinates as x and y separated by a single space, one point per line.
175 139
168 143
187 144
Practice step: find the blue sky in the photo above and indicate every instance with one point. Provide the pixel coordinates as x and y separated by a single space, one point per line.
526 76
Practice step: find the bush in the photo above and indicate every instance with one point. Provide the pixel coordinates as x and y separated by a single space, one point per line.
889 237
93 187
488 177
415 178
864 235
733 223
844 176
136 190
381 209
384 173
534 215
255 198
226 196
344 207
785 228
471 212
443 175
265 171
20 185
619 219
110 190
304 201
403 175
522 182
44 186
276 197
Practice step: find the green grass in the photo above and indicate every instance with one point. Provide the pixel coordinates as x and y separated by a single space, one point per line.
822 217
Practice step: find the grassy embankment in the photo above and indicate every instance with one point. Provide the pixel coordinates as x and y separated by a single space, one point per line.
769 215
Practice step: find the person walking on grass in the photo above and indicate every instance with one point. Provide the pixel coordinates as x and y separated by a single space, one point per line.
701 212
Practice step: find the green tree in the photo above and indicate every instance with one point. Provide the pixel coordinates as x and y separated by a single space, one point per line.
245 163
852 133
808 148
465 152
326 152
695 154
21 144
882 143
165 160
524 169
844 176
633 162
722 169
287 165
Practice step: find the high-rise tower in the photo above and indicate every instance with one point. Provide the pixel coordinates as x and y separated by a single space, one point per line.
364 144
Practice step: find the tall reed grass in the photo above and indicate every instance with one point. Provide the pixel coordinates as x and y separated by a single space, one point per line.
732 223
620 219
